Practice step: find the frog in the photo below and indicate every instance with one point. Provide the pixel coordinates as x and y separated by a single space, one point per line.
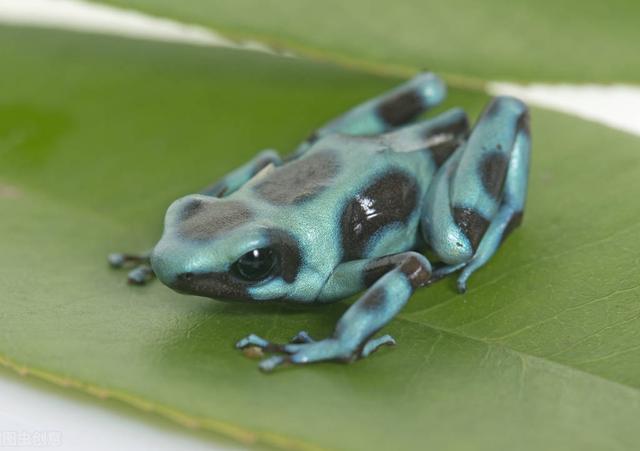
378 202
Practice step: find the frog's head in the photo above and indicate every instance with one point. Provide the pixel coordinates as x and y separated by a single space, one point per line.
219 248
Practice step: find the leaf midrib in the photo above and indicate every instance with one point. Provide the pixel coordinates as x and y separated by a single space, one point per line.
521 354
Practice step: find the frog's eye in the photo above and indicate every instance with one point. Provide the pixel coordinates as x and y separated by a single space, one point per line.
255 265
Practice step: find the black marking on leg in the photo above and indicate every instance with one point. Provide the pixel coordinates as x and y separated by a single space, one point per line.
493 172
491 110
455 131
288 249
416 273
442 141
514 221
402 108
472 224
374 299
378 268
441 152
523 123
299 180
390 199
410 265
210 219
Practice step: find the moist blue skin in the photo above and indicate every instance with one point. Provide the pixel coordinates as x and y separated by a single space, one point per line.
351 210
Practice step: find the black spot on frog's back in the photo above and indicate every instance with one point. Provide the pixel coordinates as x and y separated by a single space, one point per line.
299 180
392 198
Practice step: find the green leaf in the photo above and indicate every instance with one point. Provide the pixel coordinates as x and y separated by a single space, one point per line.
98 135
544 40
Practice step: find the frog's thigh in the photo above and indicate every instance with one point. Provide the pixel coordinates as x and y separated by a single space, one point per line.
478 196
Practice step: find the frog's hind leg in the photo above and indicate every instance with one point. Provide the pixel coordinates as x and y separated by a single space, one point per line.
392 109
478 196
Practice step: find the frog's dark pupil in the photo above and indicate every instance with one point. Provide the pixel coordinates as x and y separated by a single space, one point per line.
256 264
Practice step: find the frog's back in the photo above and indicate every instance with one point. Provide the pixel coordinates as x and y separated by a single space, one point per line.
379 198
353 194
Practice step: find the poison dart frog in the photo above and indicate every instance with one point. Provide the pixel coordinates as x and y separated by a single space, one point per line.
353 209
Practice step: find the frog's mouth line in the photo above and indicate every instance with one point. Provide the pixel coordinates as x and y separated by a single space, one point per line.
223 287
218 285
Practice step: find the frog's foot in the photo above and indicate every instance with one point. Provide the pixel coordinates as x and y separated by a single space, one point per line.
254 341
302 337
445 271
140 272
304 350
478 195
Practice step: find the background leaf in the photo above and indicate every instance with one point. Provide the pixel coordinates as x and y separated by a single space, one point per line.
98 135
542 40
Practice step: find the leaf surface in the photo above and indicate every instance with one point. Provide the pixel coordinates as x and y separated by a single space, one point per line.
542 40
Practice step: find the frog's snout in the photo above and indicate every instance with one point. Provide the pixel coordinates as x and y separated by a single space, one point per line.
163 269
172 275
180 272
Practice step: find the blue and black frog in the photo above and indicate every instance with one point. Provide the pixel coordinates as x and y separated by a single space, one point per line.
353 209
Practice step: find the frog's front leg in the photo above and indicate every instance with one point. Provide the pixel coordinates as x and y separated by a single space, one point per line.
140 269
391 281
478 196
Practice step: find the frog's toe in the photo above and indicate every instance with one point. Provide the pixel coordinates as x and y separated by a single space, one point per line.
444 271
302 337
461 284
376 343
123 260
252 340
140 275
116 260
256 341
315 351
301 352
141 272
271 363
